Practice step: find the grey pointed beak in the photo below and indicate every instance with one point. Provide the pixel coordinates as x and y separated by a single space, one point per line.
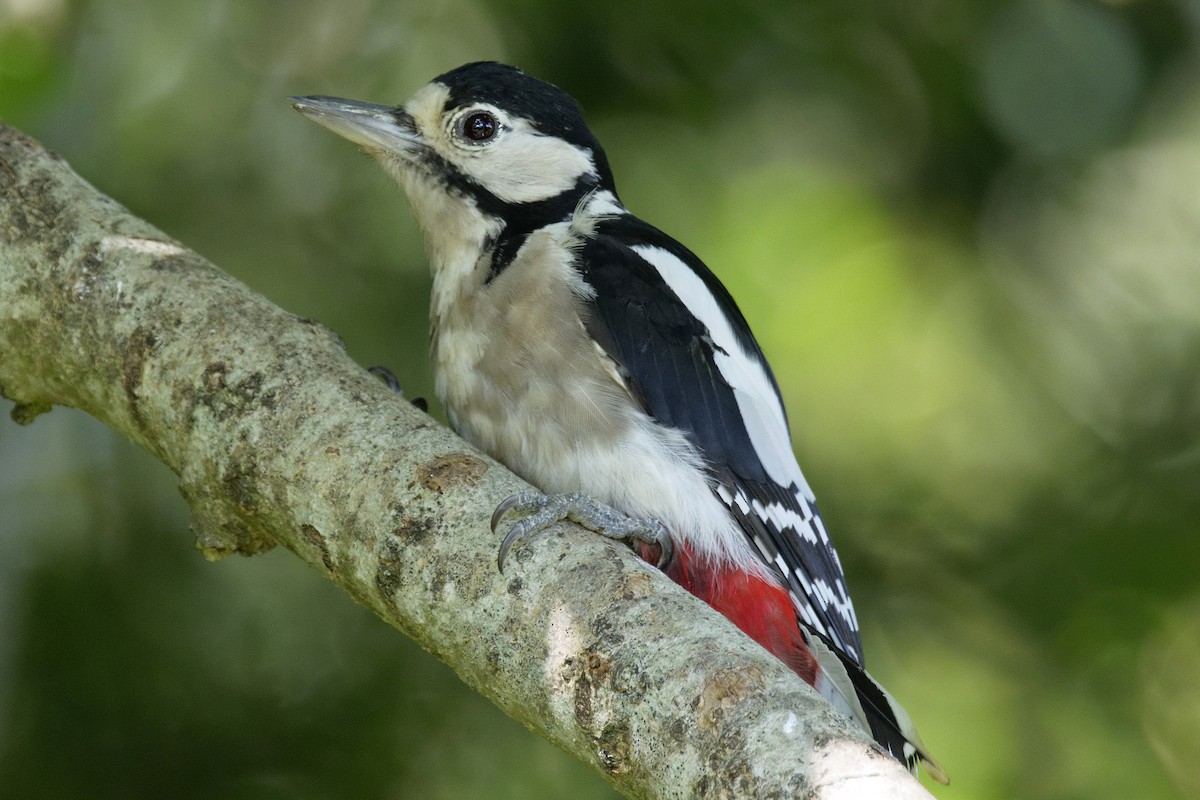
372 126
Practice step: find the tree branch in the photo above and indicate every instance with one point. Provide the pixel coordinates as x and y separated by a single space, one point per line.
279 438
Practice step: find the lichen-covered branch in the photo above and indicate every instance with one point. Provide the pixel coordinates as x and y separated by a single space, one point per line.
279 438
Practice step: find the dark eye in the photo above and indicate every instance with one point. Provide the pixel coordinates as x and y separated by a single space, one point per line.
480 126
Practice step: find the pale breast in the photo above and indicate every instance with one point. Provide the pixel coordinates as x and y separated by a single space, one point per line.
523 380
519 374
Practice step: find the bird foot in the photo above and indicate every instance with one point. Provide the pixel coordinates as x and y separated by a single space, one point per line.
547 509
389 380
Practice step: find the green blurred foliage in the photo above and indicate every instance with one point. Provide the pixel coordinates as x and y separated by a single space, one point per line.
966 233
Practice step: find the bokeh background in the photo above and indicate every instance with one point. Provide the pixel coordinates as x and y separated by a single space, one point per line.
967 234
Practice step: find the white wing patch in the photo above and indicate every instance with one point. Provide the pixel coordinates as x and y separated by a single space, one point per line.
826 608
602 203
756 398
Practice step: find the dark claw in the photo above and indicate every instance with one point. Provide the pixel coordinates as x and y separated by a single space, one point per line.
518 500
387 376
666 553
505 506
389 379
512 536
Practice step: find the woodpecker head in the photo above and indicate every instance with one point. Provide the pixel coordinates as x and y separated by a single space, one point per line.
479 149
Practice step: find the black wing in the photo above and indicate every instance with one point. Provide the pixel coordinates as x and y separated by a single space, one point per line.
715 385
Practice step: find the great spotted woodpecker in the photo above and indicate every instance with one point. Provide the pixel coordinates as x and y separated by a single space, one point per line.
602 361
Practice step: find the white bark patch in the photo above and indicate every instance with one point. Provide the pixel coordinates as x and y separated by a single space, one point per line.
843 770
150 247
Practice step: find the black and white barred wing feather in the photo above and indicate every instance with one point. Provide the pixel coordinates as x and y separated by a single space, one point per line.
689 357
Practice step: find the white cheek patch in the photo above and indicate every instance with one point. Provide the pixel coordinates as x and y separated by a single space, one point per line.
524 166
519 166
756 399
